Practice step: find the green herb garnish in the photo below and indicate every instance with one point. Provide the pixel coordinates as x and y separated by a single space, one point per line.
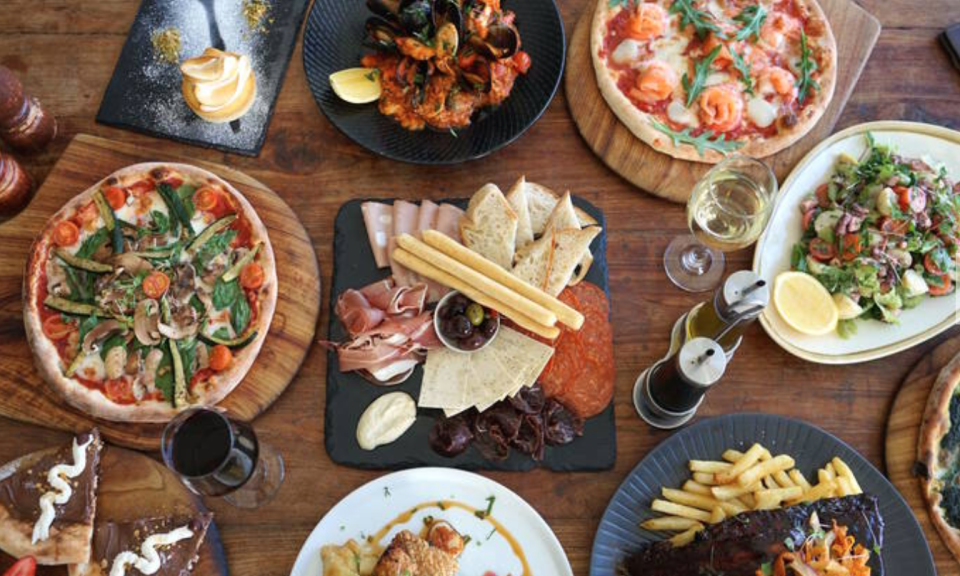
703 22
743 67
806 83
701 70
705 141
752 18
482 514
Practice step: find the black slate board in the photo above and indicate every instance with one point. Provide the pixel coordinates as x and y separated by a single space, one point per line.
348 395
144 94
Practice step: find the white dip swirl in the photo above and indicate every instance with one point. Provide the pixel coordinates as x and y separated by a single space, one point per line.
60 491
148 562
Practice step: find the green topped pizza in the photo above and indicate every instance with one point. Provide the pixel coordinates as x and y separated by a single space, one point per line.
149 293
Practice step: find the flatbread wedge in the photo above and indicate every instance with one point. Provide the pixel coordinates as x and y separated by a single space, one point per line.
489 227
24 482
938 454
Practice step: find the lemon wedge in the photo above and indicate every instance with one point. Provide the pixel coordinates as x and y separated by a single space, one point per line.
805 304
357 85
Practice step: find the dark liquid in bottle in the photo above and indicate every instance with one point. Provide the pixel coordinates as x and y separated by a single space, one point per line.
216 455
671 391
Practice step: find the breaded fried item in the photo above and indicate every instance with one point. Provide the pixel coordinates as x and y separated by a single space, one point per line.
410 555
351 559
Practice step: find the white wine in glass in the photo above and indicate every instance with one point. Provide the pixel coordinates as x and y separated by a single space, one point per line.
727 211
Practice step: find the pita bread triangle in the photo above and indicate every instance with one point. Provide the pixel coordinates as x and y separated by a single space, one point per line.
48 502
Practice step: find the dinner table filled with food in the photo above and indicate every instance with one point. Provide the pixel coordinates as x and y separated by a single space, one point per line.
480 287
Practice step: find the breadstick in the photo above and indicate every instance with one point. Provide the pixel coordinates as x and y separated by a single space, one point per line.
432 272
567 315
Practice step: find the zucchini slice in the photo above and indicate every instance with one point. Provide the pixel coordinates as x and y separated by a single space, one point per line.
174 202
208 233
234 271
70 307
82 263
105 211
238 342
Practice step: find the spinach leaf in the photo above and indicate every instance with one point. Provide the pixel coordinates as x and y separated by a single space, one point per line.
161 222
240 315
185 192
213 247
93 243
226 293
86 325
222 333
188 353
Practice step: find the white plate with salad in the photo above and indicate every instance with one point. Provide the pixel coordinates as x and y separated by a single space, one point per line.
873 214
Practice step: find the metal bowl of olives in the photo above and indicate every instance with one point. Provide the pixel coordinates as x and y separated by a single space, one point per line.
464 325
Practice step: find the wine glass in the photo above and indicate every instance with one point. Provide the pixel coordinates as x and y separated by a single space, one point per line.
727 211
218 456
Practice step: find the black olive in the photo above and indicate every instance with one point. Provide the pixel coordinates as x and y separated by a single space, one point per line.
460 327
474 342
488 328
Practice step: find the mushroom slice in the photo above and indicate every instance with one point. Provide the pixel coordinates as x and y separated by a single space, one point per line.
132 263
146 320
101 332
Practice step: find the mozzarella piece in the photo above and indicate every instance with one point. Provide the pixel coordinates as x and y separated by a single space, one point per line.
671 50
628 52
914 283
679 113
61 490
717 78
91 367
761 112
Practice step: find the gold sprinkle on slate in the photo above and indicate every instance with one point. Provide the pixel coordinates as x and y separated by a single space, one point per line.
166 45
255 12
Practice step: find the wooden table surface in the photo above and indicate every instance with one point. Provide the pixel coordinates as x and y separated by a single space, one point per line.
65 50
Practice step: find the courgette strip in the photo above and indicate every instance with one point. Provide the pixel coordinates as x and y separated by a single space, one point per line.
208 233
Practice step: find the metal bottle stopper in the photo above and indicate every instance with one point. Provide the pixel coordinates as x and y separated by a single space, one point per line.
668 394
742 299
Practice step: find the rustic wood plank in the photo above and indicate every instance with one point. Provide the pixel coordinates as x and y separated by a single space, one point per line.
315 169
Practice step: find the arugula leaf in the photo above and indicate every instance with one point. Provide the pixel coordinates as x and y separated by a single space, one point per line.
743 67
240 315
806 83
707 140
798 259
226 293
701 70
752 18
702 21
93 243
213 247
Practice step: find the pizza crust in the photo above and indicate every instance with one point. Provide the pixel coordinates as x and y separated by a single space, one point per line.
93 402
935 424
638 121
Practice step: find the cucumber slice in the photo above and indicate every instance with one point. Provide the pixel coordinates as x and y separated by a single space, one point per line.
82 263
234 271
208 233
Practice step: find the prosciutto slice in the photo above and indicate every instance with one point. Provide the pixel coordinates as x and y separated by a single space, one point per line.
378 218
390 331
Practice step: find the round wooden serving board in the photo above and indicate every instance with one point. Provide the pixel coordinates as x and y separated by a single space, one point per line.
673 179
134 486
903 432
25 396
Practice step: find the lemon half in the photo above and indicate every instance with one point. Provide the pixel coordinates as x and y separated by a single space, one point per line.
805 304
357 85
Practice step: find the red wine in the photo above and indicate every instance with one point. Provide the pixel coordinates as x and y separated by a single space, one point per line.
214 455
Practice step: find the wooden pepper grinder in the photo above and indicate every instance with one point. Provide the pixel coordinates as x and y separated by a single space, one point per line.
15 186
24 125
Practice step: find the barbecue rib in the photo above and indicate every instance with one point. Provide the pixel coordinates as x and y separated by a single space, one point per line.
739 545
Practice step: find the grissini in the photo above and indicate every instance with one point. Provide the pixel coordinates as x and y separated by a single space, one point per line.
477 280
430 271
565 314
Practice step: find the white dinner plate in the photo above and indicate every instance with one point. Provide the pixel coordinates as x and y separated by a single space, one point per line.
873 339
375 504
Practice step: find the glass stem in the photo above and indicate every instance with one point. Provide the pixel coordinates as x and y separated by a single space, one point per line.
696 259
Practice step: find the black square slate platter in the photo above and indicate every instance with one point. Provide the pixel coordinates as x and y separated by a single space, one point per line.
348 394
144 93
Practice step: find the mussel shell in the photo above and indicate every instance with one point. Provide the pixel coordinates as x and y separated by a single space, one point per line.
384 8
448 11
478 77
420 82
502 41
416 16
381 34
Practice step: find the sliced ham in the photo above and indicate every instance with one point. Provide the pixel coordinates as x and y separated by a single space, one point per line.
448 221
378 219
427 219
405 216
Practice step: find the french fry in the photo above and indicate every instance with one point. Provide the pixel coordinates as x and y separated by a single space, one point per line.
843 487
669 524
735 455
674 509
779 495
766 500
770 483
843 470
818 492
718 515
749 459
704 478
709 466
695 487
759 470
748 500
783 479
684 538
825 475
799 479
706 503
724 493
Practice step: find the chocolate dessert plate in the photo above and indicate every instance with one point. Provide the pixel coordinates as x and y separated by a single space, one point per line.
905 551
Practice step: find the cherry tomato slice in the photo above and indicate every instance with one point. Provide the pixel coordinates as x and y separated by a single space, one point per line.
141 186
26 566
944 287
173 182
852 246
115 196
522 62
931 266
821 250
56 329
206 199
251 277
156 284
220 358
88 214
808 218
119 390
66 233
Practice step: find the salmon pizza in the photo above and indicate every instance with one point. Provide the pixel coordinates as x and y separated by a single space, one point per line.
149 293
699 79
